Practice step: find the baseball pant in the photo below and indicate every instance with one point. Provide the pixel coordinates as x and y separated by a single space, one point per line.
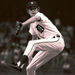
48 48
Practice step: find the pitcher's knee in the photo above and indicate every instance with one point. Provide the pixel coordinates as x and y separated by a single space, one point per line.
30 68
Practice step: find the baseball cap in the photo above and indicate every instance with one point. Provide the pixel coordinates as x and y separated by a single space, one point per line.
32 4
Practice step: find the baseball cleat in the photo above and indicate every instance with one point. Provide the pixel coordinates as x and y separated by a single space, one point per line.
12 66
16 68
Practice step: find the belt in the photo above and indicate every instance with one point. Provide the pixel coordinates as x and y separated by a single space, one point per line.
56 36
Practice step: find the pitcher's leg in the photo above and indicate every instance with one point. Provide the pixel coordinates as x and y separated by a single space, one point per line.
29 48
28 52
31 68
40 59
31 71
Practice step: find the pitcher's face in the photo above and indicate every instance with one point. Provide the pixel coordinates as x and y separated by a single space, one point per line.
32 12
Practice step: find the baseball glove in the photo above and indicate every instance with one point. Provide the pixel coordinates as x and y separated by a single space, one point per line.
18 27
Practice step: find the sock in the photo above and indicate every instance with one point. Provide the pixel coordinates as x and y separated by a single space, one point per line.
18 63
23 60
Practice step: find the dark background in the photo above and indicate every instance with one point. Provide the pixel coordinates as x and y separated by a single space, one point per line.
11 10
12 47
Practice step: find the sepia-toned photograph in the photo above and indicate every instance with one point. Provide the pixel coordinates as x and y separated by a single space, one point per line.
37 37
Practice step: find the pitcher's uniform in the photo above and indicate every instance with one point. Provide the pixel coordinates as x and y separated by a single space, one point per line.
49 44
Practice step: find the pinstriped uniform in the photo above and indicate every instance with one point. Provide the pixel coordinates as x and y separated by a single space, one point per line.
48 45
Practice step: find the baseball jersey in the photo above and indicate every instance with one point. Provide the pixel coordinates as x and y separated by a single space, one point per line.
50 29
